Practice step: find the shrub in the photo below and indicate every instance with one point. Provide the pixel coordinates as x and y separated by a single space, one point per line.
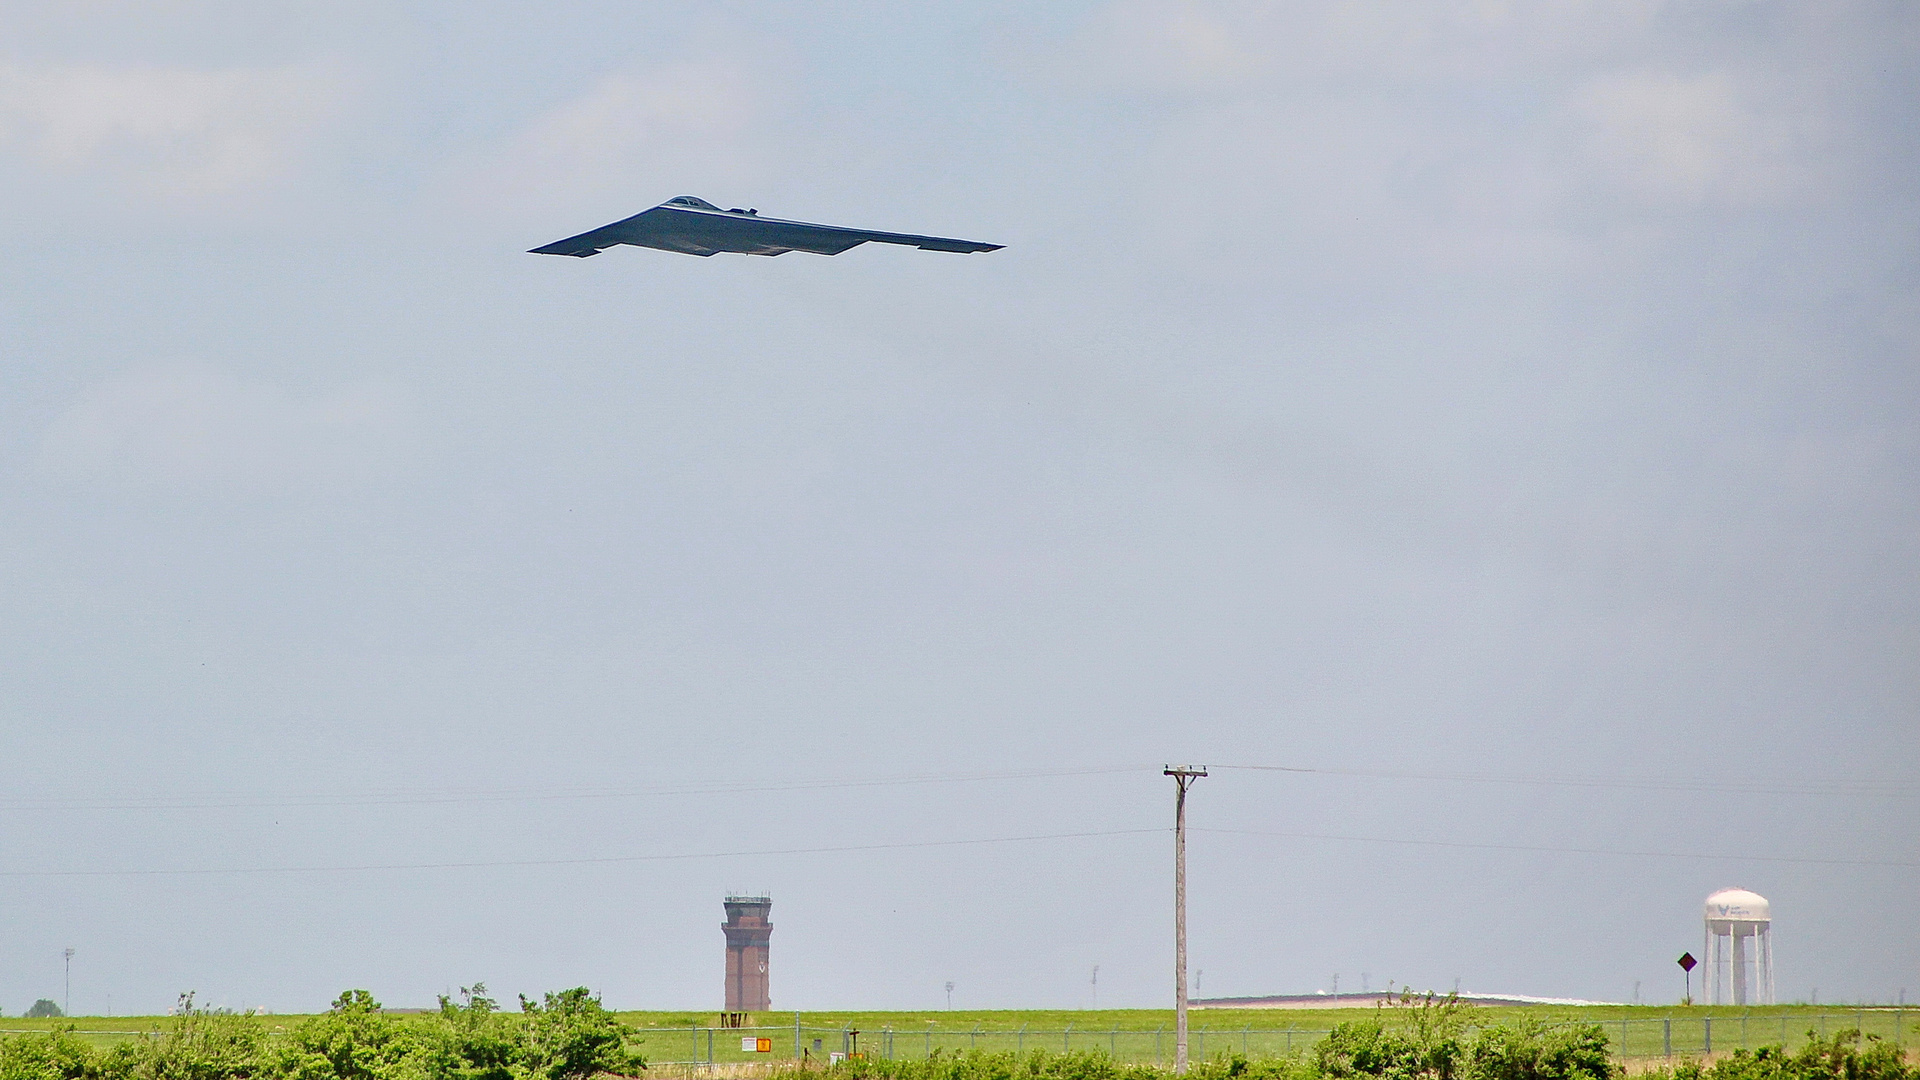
1238 1067
1532 1051
199 1046
1841 1058
571 1036
474 1041
45 1055
1838 1058
352 1040
1423 1043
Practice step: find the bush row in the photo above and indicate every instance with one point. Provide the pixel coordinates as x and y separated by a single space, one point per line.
567 1036
1422 1039
1360 1051
1843 1057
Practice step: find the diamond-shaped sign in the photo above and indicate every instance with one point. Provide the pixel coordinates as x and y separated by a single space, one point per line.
1687 961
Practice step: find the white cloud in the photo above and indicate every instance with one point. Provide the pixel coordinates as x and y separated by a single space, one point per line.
1194 46
1689 138
191 427
1155 46
631 131
169 131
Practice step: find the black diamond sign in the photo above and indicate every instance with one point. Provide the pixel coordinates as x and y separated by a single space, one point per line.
1687 961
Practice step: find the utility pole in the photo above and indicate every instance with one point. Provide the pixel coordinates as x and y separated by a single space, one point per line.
69 1001
1183 777
1096 986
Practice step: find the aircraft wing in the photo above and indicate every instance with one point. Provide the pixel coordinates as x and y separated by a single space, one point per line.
696 227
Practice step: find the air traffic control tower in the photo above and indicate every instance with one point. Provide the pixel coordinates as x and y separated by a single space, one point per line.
748 932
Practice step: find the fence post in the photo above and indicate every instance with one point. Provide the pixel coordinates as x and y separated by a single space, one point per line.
1244 1032
1020 1041
1623 1038
1706 1034
796 1036
973 1038
1666 1035
1156 1043
929 1040
1113 1042
1743 1028
1066 1039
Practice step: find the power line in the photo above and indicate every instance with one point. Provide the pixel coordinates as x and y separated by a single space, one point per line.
216 801
589 861
903 845
1882 788
1562 850
204 801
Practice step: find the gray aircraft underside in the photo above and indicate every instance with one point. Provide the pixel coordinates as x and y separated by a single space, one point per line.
697 227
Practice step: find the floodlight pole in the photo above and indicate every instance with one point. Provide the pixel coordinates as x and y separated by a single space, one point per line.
1183 777
68 954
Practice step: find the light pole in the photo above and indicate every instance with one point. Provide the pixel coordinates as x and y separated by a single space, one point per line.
69 998
949 995
1096 986
1183 777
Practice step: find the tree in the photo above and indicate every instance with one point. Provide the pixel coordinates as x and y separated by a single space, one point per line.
1423 1043
476 1041
352 1040
44 1010
571 1036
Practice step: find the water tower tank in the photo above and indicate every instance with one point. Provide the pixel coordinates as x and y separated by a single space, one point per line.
1738 905
1739 948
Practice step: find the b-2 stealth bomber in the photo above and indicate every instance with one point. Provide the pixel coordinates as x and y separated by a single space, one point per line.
697 227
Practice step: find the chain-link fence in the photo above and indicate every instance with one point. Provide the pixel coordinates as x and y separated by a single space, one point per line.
1635 1037
1697 1035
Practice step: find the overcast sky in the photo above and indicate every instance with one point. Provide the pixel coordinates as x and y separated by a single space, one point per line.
1455 389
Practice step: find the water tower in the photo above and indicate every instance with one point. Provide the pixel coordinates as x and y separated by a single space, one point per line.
1739 967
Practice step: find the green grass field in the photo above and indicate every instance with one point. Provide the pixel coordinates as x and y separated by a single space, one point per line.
1651 1031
